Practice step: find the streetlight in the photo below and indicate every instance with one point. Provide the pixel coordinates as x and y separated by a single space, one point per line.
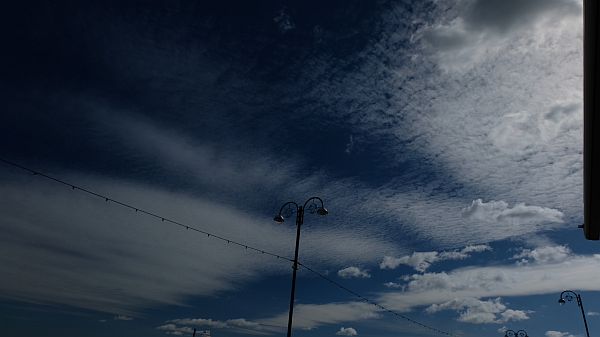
291 207
511 333
568 295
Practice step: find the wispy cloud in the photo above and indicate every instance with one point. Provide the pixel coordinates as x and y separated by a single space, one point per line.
421 261
476 311
552 333
306 317
501 212
353 272
548 254
46 223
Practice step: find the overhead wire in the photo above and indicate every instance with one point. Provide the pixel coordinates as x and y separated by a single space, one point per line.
224 239
146 212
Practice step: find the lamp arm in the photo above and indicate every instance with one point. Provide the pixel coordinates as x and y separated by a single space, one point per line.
288 203
311 199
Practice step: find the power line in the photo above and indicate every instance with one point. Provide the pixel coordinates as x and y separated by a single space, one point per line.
224 239
143 211
369 301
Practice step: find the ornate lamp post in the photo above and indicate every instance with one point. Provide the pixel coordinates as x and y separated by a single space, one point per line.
315 205
568 295
511 333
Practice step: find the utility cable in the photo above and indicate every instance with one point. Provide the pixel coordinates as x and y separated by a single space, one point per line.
143 211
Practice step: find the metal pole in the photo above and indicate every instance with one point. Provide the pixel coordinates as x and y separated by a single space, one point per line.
299 221
583 314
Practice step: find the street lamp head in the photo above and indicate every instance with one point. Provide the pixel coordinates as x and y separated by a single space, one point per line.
561 301
322 211
279 219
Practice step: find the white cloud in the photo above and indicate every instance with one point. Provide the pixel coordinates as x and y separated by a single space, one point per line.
548 254
353 272
481 25
122 318
418 260
475 311
172 329
393 285
514 315
421 261
346 332
500 212
593 313
496 281
552 333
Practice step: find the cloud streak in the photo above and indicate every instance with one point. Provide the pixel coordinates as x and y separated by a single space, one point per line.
476 311
96 255
421 261
353 272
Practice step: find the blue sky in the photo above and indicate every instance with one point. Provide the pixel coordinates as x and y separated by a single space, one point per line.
445 138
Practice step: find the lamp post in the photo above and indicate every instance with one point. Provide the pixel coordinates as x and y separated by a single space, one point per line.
286 211
569 295
511 333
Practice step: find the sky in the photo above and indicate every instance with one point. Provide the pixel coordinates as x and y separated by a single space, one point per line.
444 137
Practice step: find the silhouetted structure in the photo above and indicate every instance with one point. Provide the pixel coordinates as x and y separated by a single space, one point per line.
591 121
280 218
511 333
568 295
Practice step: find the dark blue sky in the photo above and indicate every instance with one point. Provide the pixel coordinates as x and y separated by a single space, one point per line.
444 137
